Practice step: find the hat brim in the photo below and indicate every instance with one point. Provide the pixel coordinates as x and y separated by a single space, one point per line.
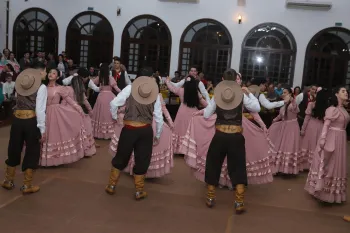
255 90
236 89
135 87
36 74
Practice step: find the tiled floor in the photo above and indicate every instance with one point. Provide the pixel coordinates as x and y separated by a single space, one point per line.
72 199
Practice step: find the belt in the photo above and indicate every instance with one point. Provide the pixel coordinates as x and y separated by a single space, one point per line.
248 116
135 124
24 114
229 128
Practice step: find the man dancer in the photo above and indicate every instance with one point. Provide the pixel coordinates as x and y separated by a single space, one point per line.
28 126
267 112
194 72
142 103
228 140
303 99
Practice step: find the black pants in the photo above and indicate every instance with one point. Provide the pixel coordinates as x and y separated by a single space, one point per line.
139 140
28 132
232 146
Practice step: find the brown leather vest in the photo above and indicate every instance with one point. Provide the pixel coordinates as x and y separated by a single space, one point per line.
229 117
135 111
26 102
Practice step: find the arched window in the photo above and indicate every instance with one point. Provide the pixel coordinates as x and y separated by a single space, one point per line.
327 60
146 41
89 39
268 51
34 30
205 43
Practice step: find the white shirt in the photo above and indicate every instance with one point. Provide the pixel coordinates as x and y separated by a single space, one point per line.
250 102
7 88
124 95
40 108
201 87
299 98
91 85
268 104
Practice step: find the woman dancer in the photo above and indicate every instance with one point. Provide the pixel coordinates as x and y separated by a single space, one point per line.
77 92
327 177
162 154
102 122
285 135
64 136
190 102
312 128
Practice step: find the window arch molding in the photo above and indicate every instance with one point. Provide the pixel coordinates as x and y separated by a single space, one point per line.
90 39
327 58
146 41
206 43
269 51
34 29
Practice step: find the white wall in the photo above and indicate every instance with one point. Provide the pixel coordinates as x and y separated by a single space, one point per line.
302 23
2 24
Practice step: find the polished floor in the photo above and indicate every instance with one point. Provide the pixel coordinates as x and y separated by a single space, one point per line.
72 199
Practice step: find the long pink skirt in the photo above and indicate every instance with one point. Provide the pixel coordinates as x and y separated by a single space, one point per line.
285 135
198 139
309 142
64 136
89 141
327 179
182 120
102 121
162 154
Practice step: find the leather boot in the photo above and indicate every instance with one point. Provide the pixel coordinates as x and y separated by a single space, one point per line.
113 180
9 177
347 218
139 181
27 187
210 200
239 200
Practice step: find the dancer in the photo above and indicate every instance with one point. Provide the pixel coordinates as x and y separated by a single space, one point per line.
194 73
142 104
327 177
267 112
285 135
312 128
77 92
28 126
64 138
120 75
228 140
303 99
102 122
162 154
190 103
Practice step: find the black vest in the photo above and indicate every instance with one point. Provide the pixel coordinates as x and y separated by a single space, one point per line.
229 117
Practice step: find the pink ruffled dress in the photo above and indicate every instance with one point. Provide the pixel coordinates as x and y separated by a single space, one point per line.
162 154
183 117
285 135
198 139
311 130
102 121
88 139
327 179
64 132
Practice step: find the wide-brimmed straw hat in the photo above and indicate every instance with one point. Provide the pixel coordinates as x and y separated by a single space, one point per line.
228 95
144 90
28 82
255 90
